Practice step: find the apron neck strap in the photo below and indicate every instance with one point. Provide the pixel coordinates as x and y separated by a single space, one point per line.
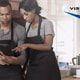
12 32
39 26
28 29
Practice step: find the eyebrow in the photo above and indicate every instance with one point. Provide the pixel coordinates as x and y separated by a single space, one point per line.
4 13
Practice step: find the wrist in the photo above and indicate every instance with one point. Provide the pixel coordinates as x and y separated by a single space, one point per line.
15 60
28 45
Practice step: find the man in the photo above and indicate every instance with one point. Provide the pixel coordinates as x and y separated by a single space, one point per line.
11 35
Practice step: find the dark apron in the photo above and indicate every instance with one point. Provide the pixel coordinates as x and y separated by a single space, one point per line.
42 64
10 72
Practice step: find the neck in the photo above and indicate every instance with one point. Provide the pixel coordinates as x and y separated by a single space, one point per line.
6 26
35 20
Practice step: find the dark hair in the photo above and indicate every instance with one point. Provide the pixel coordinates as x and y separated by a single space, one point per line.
4 3
30 5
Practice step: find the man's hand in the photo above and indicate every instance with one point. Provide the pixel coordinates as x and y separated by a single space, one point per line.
6 60
2 56
11 60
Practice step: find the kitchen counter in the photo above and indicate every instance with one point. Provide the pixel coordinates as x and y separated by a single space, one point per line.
70 78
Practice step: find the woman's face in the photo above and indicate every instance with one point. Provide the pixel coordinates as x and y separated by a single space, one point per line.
28 15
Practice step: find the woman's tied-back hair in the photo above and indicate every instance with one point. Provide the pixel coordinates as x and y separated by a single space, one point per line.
4 3
30 5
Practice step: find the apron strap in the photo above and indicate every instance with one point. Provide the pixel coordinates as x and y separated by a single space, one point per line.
39 26
12 32
28 29
40 21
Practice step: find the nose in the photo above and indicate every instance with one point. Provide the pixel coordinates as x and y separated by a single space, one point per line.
5 16
25 17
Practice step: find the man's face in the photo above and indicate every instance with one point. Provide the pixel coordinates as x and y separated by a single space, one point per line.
5 14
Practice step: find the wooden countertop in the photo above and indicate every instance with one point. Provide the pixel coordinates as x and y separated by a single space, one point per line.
70 78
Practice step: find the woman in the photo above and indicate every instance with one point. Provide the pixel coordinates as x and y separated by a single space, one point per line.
39 38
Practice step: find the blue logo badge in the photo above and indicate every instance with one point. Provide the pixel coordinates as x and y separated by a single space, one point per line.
73 14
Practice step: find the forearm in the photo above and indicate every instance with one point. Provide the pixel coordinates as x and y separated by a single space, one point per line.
20 59
40 46
11 60
46 46
16 61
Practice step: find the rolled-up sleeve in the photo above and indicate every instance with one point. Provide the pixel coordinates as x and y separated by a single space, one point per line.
22 57
21 34
49 28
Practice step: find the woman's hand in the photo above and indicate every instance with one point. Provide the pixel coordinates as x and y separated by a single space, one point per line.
21 48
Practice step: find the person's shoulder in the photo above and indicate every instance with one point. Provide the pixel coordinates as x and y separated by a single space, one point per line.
19 29
46 21
18 26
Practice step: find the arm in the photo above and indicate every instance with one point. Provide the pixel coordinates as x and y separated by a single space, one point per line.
21 36
48 39
46 46
6 60
11 59
20 32
1 59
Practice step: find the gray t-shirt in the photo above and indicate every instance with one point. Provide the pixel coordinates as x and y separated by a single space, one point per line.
46 28
19 36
